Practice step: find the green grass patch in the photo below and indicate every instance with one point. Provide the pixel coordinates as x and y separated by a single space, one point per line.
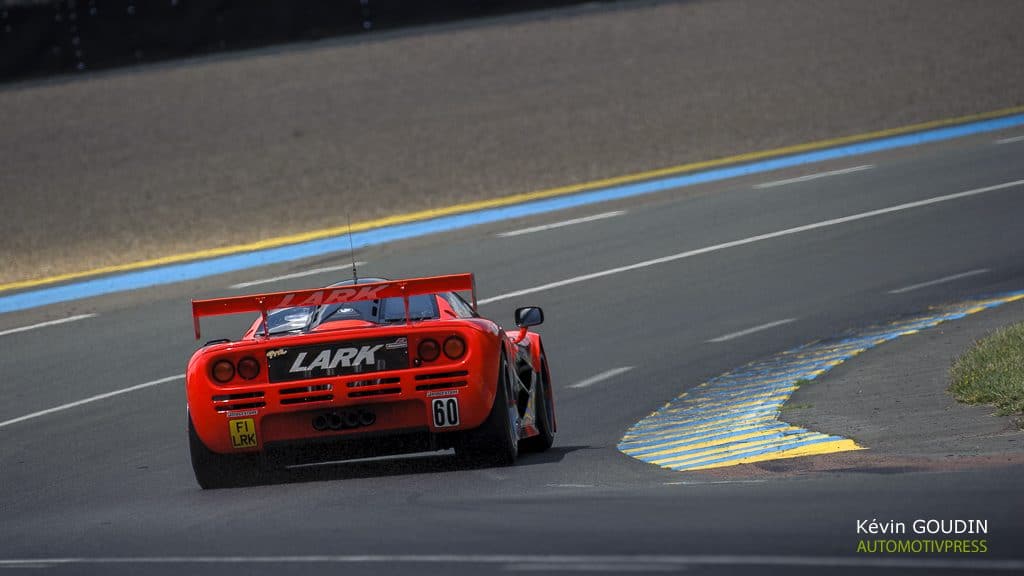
992 372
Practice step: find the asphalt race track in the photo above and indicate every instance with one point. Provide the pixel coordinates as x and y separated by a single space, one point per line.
111 478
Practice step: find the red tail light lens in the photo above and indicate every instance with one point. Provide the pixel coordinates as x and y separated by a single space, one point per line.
428 350
248 368
454 347
223 371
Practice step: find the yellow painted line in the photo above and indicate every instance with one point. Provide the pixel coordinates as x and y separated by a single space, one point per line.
729 407
810 450
731 399
752 381
748 382
674 431
509 200
721 423
676 440
718 420
994 301
720 451
723 401
833 352
719 441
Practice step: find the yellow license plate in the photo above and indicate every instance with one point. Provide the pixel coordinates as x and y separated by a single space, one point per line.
243 433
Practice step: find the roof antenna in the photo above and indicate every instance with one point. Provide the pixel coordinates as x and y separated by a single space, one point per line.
351 249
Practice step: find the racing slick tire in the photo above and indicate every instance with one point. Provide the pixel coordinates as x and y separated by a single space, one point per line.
214 470
496 441
544 417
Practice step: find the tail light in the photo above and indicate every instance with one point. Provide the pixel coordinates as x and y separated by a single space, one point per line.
223 371
428 350
248 368
454 347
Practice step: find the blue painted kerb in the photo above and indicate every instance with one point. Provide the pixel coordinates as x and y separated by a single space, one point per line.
200 269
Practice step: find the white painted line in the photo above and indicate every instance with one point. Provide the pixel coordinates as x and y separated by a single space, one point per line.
751 240
587 567
376 459
624 561
937 281
312 272
1011 140
602 376
752 330
90 399
562 223
711 482
45 324
570 485
814 176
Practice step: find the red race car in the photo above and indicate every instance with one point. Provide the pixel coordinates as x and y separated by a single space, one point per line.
365 368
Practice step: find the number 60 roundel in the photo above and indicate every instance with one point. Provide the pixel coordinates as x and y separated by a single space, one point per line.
445 411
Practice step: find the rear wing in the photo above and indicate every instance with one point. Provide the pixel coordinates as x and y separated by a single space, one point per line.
263 303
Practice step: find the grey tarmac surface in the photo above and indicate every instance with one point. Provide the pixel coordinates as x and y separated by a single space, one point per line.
112 479
138 163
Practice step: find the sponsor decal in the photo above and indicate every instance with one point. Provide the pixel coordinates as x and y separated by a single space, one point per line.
243 433
442 393
333 296
338 359
402 342
242 413
331 359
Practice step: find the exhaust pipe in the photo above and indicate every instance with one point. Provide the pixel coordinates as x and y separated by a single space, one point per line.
345 419
335 421
367 418
351 418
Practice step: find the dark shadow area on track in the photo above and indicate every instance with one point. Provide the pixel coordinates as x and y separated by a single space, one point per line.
399 466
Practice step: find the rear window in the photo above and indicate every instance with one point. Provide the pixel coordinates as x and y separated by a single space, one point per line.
384 311
289 320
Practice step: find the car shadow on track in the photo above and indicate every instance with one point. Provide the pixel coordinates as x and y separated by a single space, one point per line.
426 463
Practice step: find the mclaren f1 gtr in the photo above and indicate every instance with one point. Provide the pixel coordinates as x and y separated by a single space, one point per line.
365 368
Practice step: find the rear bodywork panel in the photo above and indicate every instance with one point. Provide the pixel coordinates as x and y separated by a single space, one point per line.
289 394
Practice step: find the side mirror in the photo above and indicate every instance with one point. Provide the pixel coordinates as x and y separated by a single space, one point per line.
529 316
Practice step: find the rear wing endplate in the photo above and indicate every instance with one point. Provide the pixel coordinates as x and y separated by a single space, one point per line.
264 303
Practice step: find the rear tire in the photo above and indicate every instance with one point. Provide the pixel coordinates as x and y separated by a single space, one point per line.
496 441
544 416
214 470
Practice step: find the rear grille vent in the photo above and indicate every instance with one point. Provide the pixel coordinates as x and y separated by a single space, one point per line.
378 392
374 382
228 402
307 389
307 399
306 394
442 375
435 386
